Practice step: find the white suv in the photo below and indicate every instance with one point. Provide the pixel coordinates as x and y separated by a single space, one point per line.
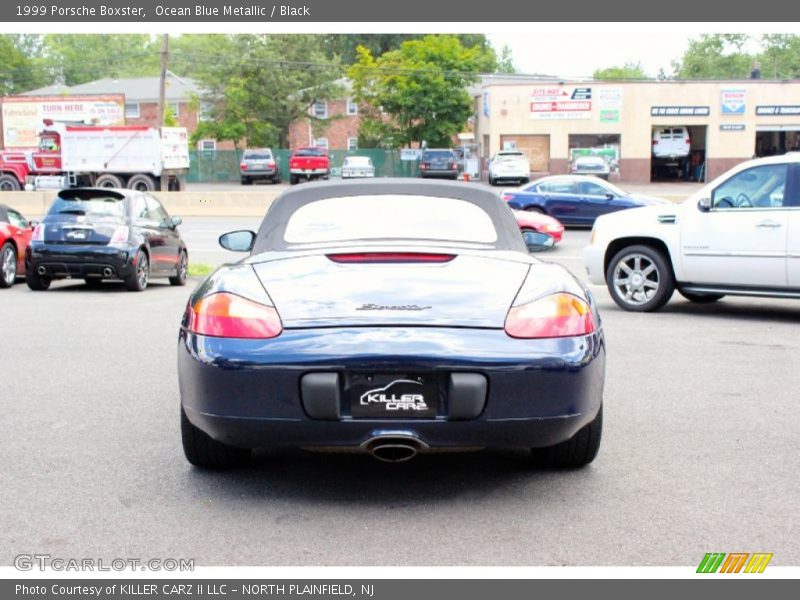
508 165
738 235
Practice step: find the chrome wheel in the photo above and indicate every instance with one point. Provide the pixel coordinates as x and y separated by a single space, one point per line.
636 279
142 270
8 266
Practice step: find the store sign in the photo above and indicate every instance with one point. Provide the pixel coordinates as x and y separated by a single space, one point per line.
549 103
609 104
778 110
679 111
732 102
23 116
732 127
410 153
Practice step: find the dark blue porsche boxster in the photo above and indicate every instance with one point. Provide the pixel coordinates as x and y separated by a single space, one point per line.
575 199
391 317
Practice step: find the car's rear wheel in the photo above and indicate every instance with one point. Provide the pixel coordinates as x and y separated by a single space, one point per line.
8 265
293 179
207 453
183 269
141 182
36 282
578 451
137 281
701 298
640 279
492 181
247 181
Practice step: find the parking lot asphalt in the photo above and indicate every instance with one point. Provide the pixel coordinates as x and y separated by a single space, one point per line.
700 450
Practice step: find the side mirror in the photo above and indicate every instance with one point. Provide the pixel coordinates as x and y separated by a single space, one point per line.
32 224
610 196
536 241
704 204
175 221
238 241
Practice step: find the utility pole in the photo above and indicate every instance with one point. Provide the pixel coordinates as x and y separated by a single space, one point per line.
162 83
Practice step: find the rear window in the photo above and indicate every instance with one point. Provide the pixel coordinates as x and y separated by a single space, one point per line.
428 154
389 217
510 155
92 203
310 152
257 154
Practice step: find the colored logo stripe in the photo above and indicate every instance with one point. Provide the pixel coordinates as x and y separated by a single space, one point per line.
711 562
735 561
758 562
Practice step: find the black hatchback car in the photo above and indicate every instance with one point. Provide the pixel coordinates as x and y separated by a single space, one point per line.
101 233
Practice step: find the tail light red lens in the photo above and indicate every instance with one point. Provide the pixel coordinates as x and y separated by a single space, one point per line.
231 316
391 257
453 165
38 233
243 166
120 235
557 315
271 164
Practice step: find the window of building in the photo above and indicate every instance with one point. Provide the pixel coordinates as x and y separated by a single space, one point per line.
132 110
207 145
176 108
320 110
352 143
321 143
206 112
352 107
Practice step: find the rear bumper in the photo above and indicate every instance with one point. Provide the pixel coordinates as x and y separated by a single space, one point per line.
451 173
259 173
304 172
66 260
247 393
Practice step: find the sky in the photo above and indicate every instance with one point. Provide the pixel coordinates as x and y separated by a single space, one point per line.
578 55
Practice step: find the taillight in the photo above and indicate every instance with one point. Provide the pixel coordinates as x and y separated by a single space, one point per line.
423 166
506 196
655 142
557 315
243 166
454 165
230 316
38 233
391 257
689 141
120 235
271 164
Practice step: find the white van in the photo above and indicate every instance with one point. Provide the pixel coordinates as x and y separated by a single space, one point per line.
671 142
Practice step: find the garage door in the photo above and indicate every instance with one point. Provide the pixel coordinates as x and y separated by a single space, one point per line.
535 147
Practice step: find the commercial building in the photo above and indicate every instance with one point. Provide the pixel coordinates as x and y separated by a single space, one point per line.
721 123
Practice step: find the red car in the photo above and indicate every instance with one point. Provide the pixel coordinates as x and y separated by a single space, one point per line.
539 222
15 235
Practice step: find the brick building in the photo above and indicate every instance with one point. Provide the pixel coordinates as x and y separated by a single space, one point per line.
332 124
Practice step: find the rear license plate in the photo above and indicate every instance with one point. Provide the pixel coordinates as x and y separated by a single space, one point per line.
396 396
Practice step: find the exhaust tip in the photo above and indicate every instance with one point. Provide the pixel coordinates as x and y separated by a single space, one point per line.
108 272
394 453
41 270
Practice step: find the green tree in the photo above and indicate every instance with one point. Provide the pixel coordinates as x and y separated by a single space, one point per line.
716 56
780 58
21 69
79 58
629 70
505 62
422 86
265 83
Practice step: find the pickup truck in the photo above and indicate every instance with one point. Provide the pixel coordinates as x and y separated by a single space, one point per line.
309 164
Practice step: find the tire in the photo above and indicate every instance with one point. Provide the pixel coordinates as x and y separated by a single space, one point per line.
701 298
646 276
492 181
276 180
207 453
9 183
246 181
524 181
8 265
107 180
142 182
293 179
183 266
137 281
578 451
36 282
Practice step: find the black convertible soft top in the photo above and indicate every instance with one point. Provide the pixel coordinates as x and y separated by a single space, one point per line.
270 235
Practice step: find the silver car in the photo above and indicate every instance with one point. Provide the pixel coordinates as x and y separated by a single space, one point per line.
259 163
591 165
357 166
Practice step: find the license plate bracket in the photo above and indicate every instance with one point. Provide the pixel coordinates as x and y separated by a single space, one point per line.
392 395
